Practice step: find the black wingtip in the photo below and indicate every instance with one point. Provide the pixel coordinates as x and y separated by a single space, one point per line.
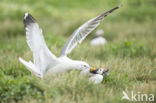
28 19
116 7
111 10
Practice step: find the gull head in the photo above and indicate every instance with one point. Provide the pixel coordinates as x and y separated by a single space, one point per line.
80 65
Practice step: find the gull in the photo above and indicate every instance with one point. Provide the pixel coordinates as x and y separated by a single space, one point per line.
44 60
99 39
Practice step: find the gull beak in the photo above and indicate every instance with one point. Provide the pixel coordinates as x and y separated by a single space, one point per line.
105 71
92 69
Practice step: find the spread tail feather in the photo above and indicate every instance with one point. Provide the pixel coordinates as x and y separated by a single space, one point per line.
31 67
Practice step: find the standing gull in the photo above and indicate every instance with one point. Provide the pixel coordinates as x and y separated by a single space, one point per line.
99 39
44 60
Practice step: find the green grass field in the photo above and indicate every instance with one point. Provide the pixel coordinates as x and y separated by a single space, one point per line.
130 51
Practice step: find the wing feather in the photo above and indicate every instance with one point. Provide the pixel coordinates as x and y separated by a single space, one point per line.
80 34
43 58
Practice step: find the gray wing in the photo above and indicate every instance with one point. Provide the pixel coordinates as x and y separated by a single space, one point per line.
43 58
80 34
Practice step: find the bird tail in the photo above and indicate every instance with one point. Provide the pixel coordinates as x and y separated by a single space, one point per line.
30 66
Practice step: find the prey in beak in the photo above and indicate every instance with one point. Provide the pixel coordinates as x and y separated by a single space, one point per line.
101 71
105 71
96 74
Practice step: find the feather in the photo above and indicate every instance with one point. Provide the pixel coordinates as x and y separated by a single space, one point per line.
80 34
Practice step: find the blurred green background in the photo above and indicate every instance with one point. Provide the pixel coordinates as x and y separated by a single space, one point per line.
130 51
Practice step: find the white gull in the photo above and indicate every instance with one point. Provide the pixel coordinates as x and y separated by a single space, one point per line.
44 60
99 39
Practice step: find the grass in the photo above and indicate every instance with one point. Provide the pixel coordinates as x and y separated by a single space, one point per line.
130 52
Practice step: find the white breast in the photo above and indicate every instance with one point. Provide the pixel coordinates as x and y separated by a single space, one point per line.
63 66
96 78
98 41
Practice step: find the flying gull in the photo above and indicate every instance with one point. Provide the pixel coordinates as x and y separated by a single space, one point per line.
44 60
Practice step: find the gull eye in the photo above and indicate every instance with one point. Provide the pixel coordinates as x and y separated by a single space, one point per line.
85 65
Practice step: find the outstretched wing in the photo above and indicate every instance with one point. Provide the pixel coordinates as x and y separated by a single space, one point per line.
43 58
81 33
